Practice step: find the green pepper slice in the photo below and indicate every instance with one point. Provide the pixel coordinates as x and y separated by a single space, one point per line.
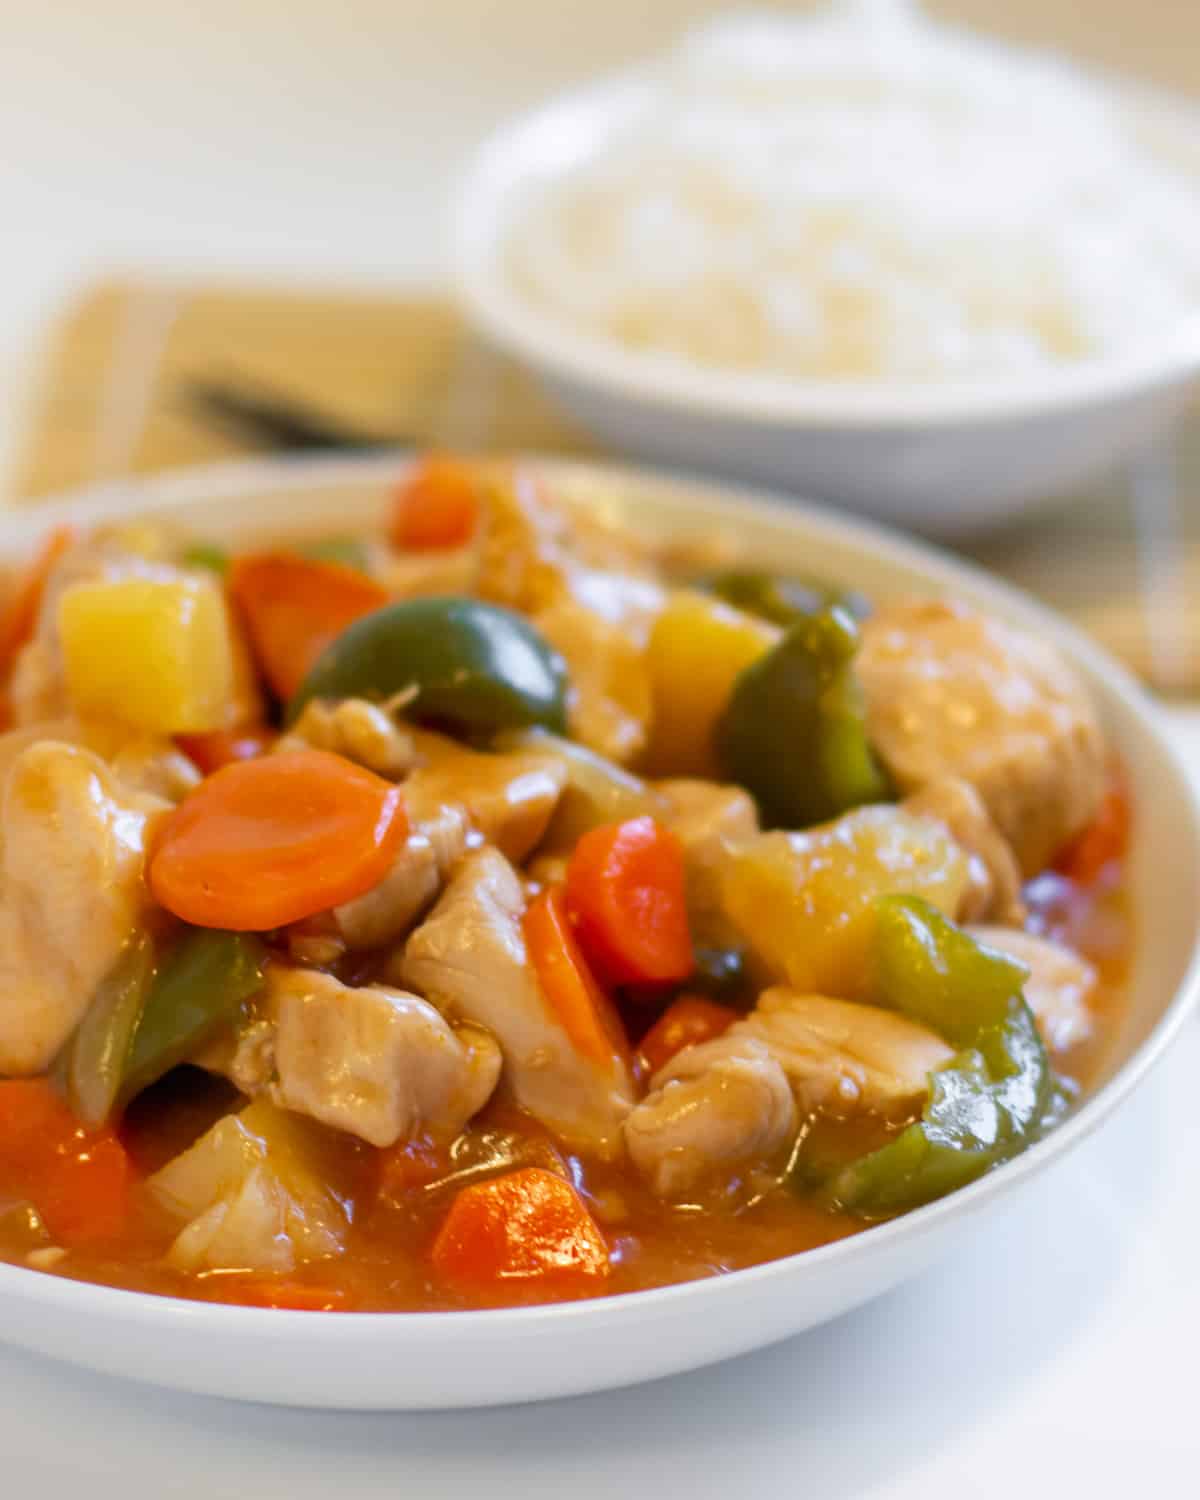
99 1052
780 599
472 667
794 730
350 551
201 987
208 555
988 1103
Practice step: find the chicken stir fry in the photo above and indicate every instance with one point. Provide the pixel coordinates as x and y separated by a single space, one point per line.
481 911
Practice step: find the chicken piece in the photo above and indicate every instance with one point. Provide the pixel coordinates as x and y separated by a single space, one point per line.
361 731
708 819
469 958
456 797
376 1062
735 1101
713 1108
952 692
994 889
72 894
256 1192
840 1056
1059 988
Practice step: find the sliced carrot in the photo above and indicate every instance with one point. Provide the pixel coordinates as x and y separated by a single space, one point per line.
293 607
436 508
529 1226
685 1021
19 617
1105 839
264 842
626 897
222 747
79 1180
587 1014
279 1292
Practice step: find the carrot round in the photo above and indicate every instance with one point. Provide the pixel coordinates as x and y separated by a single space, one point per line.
222 747
78 1180
264 842
294 606
688 1020
585 1011
436 508
526 1227
19 617
626 897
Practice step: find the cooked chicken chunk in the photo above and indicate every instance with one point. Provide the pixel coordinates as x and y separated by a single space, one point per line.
255 1192
376 1062
361 731
469 958
1059 987
735 1101
994 889
952 692
455 797
713 1108
71 893
708 819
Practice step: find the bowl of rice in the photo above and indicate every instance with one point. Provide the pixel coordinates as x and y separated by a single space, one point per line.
857 254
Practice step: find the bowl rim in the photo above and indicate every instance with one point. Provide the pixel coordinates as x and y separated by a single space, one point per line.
513 154
161 494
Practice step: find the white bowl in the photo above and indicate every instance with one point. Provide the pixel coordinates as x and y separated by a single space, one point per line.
942 458
410 1361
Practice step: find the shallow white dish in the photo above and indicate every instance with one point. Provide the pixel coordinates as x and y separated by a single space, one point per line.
945 459
431 1360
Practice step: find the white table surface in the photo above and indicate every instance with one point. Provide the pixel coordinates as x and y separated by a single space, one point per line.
296 139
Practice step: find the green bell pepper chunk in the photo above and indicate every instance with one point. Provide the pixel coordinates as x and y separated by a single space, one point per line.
794 731
350 551
99 1051
722 974
200 988
782 600
471 666
206 555
990 1101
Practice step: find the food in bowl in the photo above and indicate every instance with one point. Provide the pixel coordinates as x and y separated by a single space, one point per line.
861 195
498 908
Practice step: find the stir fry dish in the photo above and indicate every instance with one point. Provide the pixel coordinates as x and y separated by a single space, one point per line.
500 908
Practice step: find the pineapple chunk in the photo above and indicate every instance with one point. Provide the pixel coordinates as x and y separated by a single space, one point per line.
153 653
804 902
698 648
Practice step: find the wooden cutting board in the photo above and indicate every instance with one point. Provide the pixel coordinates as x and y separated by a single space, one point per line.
1122 560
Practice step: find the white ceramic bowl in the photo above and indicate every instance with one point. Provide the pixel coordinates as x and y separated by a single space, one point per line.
946 459
410 1361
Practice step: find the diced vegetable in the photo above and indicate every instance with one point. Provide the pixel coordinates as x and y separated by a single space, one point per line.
597 790
698 648
794 730
625 894
782 600
255 1193
153 653
98 1054
528 1227
208 555
571 989
223 747
349 551
805 902
293 607
471 666
265 842
1102 842
19 616
990 1101
436 507
720 974
79 1180
686 1021
200 988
